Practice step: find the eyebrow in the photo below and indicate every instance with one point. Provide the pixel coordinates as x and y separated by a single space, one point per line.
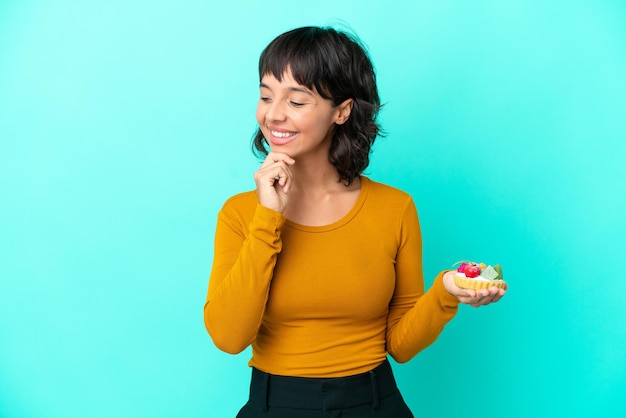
296 89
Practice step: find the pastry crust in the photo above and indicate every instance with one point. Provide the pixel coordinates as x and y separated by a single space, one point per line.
468 283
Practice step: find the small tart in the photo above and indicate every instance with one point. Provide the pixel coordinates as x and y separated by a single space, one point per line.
476 283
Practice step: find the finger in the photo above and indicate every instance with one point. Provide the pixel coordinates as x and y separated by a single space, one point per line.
275 157
482 301
490 296
283 174
280 156
474 298
273 172
499 294
286 181
469 298
466 298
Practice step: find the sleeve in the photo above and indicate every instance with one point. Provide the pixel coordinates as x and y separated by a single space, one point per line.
239 284
415 318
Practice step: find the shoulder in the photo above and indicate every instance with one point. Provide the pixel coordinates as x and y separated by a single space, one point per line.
242 199
386 195
240 206
391 208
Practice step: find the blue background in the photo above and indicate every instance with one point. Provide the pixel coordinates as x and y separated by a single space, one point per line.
125 125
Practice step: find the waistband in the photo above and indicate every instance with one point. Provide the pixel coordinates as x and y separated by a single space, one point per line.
323 393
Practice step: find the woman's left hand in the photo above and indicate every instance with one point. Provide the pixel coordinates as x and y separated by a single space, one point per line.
475 298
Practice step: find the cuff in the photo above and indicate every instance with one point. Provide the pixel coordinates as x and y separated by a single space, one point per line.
269 217
266 226
445 298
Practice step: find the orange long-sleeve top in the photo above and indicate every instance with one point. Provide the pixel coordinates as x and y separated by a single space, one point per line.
323 301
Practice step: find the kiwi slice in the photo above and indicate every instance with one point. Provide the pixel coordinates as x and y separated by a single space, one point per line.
498 269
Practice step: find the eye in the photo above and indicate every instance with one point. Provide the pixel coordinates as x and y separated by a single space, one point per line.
296 104
265 99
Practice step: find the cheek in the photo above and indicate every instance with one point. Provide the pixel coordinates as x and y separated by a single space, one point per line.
260 115
322 125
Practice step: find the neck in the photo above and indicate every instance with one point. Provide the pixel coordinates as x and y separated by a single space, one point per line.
315 176
317 197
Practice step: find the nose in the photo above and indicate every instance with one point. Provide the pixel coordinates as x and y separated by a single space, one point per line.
275 111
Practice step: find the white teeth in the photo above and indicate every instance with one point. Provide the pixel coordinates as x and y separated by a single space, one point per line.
282 134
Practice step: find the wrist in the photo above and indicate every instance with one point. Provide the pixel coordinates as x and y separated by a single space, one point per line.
449 293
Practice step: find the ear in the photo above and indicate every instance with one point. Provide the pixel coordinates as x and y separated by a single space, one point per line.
343 111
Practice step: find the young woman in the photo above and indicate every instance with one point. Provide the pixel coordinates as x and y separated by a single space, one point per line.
320 268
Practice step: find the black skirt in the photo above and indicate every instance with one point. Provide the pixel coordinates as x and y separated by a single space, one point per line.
372 394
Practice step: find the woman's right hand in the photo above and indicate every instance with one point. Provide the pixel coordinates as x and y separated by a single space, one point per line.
273 180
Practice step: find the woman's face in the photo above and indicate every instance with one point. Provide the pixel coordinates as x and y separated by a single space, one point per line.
294 119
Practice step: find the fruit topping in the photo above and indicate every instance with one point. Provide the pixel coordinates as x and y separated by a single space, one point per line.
498 269
472 270
472 275
489 273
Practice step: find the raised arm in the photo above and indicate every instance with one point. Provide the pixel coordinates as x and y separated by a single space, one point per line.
243 265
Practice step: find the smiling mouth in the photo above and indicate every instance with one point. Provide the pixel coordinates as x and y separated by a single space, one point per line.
282 135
